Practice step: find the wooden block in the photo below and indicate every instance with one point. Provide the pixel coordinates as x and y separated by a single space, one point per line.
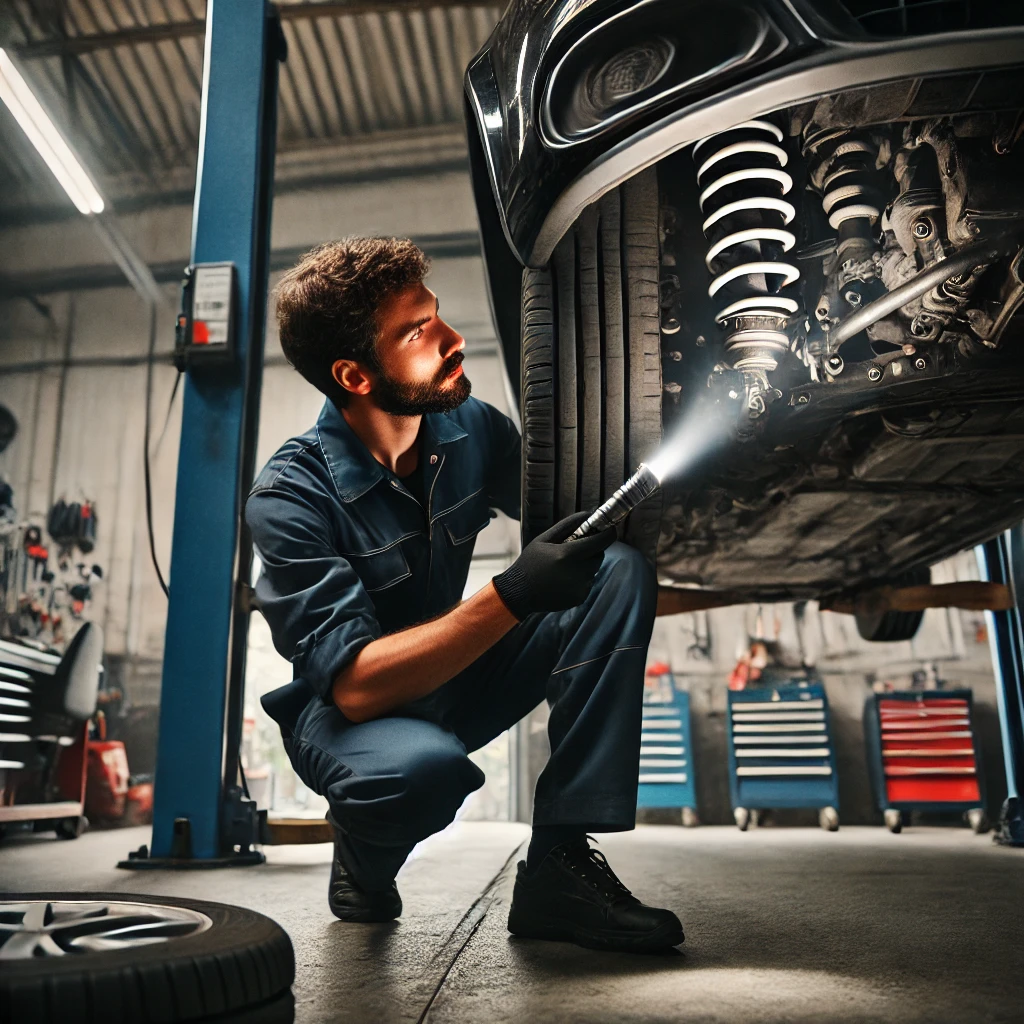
294 831
971 595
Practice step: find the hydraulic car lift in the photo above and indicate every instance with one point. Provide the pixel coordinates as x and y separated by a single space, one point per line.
201 816
1001 560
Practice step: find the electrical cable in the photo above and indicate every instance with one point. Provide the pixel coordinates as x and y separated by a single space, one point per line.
167 418
145 447
245 784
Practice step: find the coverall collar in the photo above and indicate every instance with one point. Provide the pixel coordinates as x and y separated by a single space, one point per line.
352 466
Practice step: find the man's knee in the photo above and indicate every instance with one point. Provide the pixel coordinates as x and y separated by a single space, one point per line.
416 789
441 775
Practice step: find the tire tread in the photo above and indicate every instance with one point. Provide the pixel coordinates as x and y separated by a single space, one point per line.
591 363
243 961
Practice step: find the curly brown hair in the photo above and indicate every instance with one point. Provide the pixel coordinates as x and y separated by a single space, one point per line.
327 304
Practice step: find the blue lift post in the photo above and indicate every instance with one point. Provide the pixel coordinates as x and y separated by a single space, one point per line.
1002 561
200 817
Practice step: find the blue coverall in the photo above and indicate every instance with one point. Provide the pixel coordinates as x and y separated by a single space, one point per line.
349 554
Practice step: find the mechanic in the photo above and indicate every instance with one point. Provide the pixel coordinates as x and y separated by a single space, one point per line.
365 527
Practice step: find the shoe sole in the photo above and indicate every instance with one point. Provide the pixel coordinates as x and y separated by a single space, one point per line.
623 942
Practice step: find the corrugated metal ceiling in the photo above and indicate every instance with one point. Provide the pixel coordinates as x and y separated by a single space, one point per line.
122 79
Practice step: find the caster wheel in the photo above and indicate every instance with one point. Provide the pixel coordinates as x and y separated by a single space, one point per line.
71 828
828 819
688 817
893 820
978 821
742 816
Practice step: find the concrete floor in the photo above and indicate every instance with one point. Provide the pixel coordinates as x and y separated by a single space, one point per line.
782 925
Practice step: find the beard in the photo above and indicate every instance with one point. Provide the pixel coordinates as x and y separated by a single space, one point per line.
438 395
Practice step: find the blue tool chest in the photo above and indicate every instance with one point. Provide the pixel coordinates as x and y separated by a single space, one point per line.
666 753
780 751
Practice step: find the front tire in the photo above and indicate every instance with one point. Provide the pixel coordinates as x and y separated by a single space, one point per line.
591 371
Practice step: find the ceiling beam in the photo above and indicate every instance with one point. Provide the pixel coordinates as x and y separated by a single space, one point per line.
88 43
29 216
451 245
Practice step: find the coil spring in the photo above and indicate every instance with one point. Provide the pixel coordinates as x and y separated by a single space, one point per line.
742 182
850 196
847 196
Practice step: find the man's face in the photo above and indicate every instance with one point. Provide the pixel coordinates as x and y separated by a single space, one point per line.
419 357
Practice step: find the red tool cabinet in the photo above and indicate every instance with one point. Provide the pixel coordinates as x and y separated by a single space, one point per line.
923 755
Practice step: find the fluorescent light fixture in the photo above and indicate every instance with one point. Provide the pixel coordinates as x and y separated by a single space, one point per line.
28 112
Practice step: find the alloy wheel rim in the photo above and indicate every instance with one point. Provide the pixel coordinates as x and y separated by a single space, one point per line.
41 929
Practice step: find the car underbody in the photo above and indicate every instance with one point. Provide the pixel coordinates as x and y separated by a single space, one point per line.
853 456
777 245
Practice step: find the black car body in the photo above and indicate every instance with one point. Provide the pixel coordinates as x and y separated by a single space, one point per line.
803 219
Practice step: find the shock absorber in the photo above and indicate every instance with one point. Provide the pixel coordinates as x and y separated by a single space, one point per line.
843 165
742 184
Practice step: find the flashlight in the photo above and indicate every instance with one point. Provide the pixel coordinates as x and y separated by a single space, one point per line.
640 486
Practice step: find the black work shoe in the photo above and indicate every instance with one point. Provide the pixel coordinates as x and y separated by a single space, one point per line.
349 900
575 896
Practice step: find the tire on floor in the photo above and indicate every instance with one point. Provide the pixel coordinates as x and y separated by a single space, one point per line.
215 962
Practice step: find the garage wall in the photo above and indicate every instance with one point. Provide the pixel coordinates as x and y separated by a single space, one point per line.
73 370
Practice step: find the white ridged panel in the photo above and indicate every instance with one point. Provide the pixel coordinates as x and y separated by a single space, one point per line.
793 727
793 716
781 705
812 738
784 752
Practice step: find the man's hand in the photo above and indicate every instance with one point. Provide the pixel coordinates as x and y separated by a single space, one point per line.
553 573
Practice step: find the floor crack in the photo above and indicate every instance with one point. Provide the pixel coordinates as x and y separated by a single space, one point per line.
469 923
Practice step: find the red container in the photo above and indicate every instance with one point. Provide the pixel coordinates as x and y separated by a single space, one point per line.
928 753
106 785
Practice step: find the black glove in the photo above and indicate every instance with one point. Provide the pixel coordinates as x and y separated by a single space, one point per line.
553 573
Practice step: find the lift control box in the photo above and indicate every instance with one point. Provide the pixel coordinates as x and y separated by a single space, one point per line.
205 329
